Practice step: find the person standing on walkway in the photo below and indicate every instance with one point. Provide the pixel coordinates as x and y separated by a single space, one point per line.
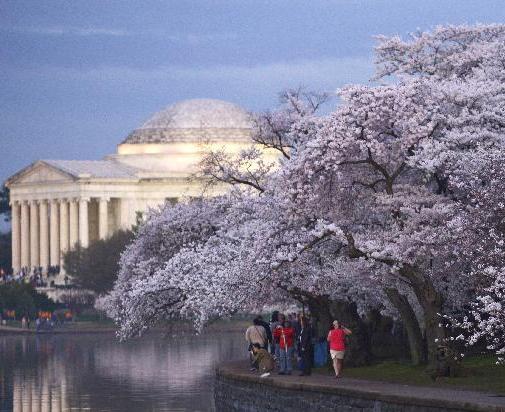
306 346
274 324
255 334
266 326
336 338
286 335
281 318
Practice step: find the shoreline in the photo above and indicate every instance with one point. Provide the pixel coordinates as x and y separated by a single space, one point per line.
177 329
236 389
12 330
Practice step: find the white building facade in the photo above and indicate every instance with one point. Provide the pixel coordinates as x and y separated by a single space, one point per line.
57 204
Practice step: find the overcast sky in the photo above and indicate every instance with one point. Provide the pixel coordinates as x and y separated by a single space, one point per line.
77 76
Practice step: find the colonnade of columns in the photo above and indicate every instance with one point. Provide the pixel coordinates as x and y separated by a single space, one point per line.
44 230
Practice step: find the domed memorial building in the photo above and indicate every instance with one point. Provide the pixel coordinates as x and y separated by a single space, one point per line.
57 204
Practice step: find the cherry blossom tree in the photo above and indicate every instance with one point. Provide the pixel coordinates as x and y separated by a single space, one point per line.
286 128
133 303
377 205
394 152
447 52
484 185
468 62
357 174
486 318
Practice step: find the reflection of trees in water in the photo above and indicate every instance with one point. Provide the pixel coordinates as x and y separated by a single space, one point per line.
162 364
55 373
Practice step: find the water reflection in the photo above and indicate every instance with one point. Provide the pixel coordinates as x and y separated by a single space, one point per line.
96 373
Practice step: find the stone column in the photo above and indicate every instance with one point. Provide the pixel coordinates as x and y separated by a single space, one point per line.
126 213
25 235
103 218
54 234
44 235
16 237
64 232
74 223
34 235
83 223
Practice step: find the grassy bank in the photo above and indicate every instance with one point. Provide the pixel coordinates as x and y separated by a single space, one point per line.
478 373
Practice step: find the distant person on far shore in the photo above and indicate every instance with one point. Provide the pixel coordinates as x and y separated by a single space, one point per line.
68 316
286 336
336 338
263 359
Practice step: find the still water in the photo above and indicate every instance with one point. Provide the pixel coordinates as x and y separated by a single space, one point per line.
96 373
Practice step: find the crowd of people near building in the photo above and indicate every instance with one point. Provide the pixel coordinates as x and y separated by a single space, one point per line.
43 321
33 276
25 275
289 342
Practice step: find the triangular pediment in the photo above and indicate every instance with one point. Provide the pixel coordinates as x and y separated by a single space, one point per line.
40 172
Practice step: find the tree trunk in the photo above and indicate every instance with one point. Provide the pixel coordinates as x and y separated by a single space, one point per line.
417 344
431 302
435 335
321 316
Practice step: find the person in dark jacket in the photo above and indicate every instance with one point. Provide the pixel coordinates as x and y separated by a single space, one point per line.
261 322
305 346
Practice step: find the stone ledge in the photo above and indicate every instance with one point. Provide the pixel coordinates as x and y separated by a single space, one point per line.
373 395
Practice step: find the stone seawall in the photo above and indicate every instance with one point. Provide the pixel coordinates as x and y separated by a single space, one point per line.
236 390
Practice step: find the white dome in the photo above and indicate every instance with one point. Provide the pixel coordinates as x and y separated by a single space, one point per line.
195 120
198 113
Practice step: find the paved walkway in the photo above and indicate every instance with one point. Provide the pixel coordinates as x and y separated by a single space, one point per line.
414 395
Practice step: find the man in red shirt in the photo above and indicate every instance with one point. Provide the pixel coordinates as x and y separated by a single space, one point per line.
285 334
336 338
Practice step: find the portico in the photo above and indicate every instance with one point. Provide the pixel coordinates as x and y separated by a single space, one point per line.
44 229
54 210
